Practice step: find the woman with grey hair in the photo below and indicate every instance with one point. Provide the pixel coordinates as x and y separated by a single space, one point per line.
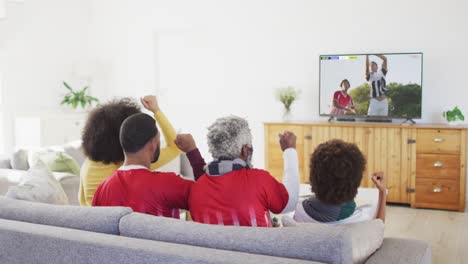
232 192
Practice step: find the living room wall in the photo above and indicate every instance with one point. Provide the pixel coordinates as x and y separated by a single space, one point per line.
42 43
206 58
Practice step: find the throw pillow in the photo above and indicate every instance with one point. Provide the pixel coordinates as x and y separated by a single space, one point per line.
39 185
19 160
56 161
366 236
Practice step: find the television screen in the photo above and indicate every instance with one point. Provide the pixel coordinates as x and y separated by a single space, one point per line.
371 85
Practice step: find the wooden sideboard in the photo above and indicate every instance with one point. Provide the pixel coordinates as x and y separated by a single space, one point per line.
424 164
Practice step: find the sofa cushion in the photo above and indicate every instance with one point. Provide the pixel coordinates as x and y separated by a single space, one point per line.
402 251
39 185
5 162
19 160
9 178
71 186
56 245
366 236
313 242
95 219
75 150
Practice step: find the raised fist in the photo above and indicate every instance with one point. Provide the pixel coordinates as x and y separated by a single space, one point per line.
151 103
287 140
185 142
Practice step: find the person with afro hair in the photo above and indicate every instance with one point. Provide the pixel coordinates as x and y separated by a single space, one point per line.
102 147
336 171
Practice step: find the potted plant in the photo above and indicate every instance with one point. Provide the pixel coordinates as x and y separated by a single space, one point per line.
287 96
78 98
454 117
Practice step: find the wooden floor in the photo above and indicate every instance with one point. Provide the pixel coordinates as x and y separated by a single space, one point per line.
446 231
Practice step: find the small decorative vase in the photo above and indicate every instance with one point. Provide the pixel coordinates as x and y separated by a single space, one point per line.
287 115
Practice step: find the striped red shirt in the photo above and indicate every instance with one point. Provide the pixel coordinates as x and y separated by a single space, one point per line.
242 197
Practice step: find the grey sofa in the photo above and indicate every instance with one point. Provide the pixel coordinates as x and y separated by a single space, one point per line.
42 233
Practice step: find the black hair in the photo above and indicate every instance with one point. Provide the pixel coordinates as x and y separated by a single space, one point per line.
136 131
101 133
336 169
343 81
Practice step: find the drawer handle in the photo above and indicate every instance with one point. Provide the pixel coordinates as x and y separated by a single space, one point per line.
308 137
438 140
437 190
438 164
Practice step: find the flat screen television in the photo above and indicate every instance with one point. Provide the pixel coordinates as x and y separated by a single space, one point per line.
372 86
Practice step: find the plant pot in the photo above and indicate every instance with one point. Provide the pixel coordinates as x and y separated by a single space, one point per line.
454 123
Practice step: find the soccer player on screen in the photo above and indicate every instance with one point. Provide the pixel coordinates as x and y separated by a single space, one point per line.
342 101
378 105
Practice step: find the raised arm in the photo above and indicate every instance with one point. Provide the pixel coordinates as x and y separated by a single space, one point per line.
186 143
171 151
367 68
384 64
380 182
291 169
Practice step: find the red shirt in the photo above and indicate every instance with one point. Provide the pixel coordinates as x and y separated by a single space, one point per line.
148 192
343 101
242 197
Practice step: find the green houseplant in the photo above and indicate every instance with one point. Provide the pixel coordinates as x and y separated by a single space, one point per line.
287 96
454 116
78 98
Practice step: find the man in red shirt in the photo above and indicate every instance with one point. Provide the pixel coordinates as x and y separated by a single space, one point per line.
134 185
232 192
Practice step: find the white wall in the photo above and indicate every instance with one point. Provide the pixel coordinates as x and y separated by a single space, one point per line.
41 44
206 58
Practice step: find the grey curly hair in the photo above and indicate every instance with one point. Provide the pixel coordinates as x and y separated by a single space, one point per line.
227 135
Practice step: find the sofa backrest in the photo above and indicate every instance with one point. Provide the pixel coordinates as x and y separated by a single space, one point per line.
322 243
95 219
40 244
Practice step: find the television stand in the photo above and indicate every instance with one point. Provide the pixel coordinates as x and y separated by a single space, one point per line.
410 120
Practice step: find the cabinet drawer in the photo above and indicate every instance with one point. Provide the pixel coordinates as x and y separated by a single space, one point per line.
438 141
439 166
437 191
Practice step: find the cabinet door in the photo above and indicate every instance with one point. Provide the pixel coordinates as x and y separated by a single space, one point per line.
385 155
314 136
364 139
273 152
